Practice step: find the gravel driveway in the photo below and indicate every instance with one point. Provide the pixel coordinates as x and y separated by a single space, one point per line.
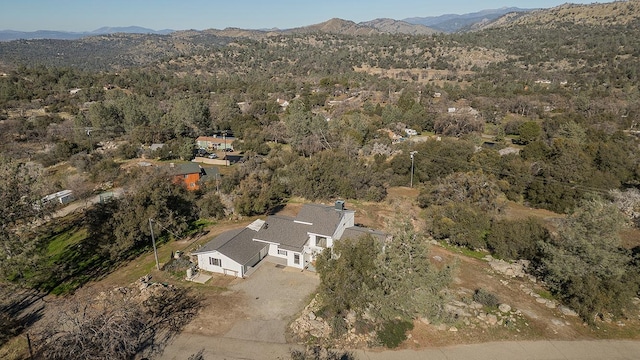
274 295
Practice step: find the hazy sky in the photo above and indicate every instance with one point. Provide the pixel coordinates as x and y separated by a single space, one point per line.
87 15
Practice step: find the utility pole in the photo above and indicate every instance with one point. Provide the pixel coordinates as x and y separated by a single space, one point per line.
224 137
90 140
153 241
412 154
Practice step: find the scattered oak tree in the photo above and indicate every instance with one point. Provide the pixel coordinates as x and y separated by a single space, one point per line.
585 266
386 284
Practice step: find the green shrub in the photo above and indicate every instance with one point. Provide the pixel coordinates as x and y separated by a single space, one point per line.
320 353
486 298
463 224
516 239
338 325
394 332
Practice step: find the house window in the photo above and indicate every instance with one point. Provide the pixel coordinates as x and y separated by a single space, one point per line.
282 252
321 241
215 262
296 259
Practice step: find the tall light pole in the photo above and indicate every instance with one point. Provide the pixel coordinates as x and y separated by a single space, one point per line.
412 154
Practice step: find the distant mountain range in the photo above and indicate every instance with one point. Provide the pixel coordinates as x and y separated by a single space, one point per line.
413 26
120 48
452 22
8 35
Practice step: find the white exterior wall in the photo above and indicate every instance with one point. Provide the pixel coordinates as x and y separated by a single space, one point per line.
65 199
229 267
313 240
273 251
290 256
348 220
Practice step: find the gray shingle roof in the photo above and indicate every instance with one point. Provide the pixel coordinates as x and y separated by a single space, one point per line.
325 218
236 244
186 168
355 232
209 173
218 241
284 231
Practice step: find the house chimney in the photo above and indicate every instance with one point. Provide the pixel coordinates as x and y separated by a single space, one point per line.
339 205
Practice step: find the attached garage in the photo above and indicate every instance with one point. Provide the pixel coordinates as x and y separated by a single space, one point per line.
232 252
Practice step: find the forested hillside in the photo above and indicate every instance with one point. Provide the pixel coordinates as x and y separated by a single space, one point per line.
541 110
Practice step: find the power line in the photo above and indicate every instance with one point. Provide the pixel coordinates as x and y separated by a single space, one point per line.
178 237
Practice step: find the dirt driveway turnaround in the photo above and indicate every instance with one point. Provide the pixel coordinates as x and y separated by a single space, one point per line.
250 320
274 294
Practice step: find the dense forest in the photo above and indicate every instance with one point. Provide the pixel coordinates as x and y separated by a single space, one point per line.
545 115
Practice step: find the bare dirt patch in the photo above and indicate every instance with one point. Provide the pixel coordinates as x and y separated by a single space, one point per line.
630 237
219 313
292 208
515 211
541 316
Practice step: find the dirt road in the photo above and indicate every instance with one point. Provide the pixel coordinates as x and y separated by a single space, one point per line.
236 349
84 204
519 350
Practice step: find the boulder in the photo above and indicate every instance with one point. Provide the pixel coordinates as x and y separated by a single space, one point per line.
567 312
551 304
476 305
504 308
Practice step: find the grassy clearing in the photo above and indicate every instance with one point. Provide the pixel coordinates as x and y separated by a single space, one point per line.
72 259
480 255
60 243
15 349
544 294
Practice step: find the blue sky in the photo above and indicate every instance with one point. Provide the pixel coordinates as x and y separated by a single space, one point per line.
87 15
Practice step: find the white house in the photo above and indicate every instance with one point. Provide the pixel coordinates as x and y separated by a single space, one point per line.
411 132
296 240
232 252
62 197
215 142
299 240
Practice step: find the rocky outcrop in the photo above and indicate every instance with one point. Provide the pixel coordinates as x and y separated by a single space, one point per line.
517 268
